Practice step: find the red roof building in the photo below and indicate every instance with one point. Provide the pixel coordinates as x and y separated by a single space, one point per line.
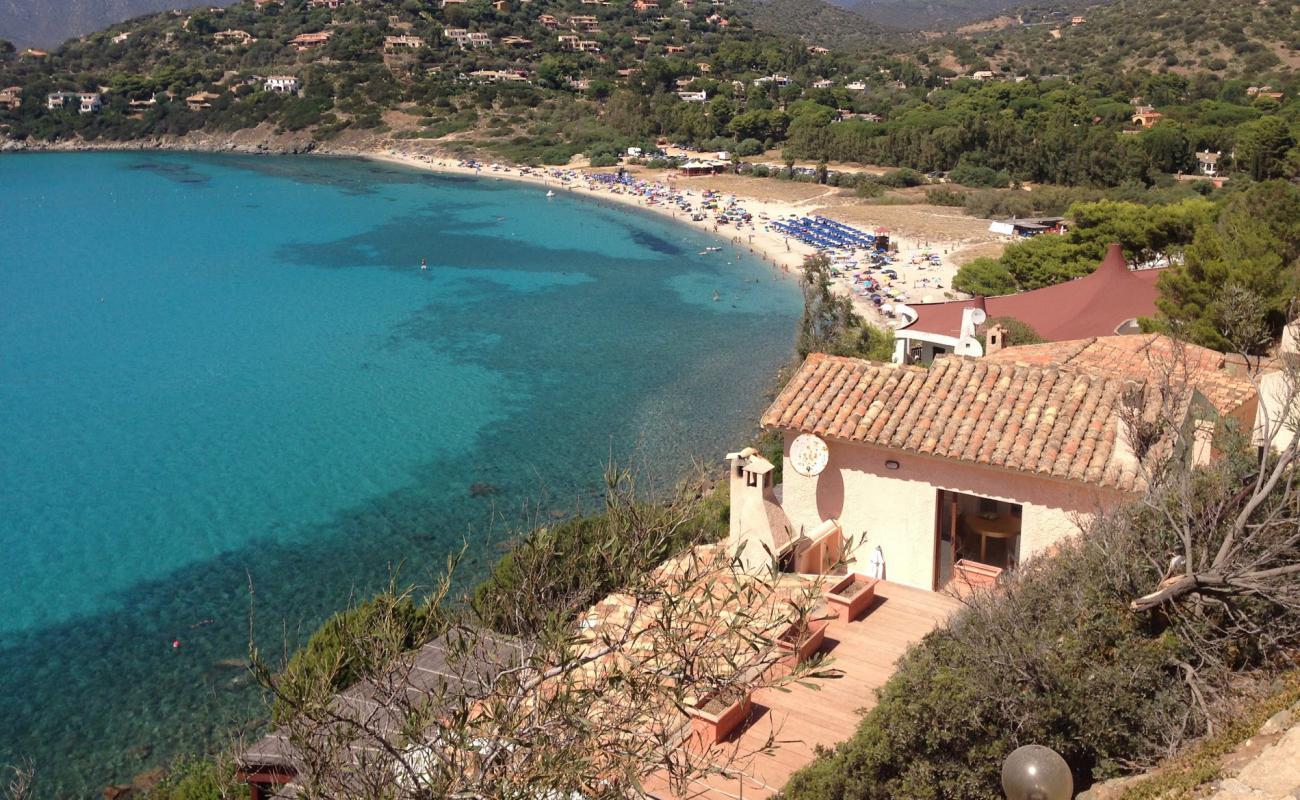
1105 302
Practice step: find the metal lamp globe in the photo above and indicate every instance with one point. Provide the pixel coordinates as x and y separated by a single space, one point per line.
1035 772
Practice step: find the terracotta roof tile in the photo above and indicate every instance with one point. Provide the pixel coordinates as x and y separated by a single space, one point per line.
1043 419
1149 357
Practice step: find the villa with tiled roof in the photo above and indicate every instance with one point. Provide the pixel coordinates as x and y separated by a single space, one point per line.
965 469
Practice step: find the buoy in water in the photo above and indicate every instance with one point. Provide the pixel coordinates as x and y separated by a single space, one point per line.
176 644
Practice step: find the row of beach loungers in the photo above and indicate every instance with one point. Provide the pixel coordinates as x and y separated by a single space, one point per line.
826 234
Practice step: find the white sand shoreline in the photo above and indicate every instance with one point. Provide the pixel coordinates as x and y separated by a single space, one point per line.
764 244
771 246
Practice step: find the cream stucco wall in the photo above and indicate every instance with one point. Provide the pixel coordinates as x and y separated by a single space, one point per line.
895 509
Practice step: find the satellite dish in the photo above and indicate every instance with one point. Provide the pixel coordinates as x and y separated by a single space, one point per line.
808 455
978 316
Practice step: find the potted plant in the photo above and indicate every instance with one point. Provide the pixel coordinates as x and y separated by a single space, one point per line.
801 639
851 596
717 713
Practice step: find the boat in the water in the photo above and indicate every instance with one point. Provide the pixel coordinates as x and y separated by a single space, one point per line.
716 296
550 193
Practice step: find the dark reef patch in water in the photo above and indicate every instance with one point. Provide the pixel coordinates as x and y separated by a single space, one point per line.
656 243
179 173
444 241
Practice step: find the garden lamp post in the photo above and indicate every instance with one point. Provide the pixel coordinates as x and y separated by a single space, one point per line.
1034 772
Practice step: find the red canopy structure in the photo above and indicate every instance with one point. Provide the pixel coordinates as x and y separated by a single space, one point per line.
1097 304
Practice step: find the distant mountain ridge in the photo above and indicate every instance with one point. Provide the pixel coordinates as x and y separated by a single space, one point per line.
47 23
832 23
940 14
817 22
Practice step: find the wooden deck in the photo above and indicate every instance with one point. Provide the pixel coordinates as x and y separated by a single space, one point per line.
801 718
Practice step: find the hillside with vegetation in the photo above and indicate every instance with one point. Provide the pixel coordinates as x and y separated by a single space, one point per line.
949 14
820 23
543 81
1182 37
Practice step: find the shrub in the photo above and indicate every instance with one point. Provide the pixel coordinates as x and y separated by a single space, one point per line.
901 178
869 188
552 572
831 325
332 653
945 196
199 779
979 176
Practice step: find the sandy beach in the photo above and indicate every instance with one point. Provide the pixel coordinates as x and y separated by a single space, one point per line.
767 244
924 264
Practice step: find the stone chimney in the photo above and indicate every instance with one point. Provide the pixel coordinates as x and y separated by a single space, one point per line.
995 338
759 529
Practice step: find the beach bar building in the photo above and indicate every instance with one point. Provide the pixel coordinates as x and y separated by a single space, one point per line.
1027 226
964 470
1107 301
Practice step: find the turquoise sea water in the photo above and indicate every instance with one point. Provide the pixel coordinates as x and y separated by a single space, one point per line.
227 389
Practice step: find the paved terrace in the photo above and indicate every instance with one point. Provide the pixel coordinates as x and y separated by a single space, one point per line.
801 718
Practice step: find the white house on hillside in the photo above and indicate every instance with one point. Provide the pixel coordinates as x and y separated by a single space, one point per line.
962 470
283 84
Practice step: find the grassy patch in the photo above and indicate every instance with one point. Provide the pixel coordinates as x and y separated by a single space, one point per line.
1182 775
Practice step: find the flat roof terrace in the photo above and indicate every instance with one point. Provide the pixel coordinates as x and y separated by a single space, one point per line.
800 718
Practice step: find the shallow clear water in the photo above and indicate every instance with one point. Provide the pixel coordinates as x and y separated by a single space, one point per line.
220 374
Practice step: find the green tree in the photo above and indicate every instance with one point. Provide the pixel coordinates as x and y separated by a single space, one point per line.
1168 148
1253 247
831 325
1262 147
984 276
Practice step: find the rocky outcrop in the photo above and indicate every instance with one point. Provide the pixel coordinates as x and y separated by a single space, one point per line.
1271 771
1264 767
139 786
260 140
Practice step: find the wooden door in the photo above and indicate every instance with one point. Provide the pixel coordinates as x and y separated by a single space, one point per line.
945 530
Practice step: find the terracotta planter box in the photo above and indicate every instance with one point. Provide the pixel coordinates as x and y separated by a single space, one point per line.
851 596
712 720
798 643
976 574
